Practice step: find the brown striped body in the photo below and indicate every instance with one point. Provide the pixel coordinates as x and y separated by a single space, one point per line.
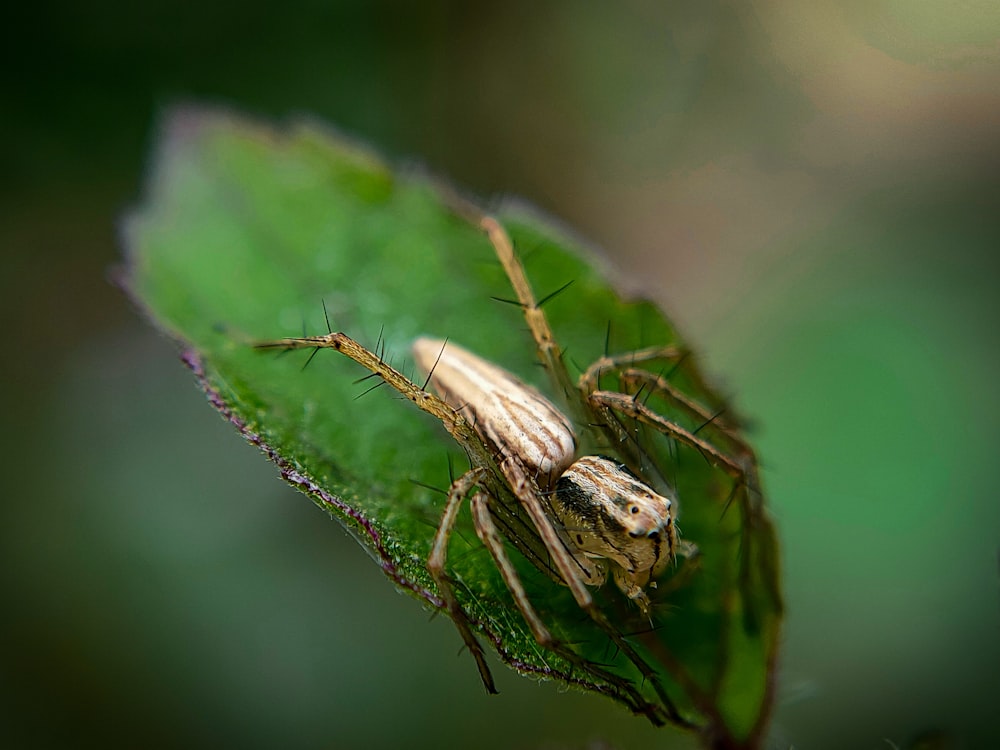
511 415
607 514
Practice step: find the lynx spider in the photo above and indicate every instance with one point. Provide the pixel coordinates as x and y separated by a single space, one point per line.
503 467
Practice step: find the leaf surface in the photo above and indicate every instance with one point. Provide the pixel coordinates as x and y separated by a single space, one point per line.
245 229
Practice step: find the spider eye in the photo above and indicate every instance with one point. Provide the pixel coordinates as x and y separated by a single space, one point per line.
634 509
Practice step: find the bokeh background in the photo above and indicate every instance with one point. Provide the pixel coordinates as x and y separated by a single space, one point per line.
810 189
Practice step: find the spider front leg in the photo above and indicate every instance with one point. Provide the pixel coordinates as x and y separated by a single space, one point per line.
457 425
737 457
634 381
739 463
463 433
575 575
549 352
551 357
486 530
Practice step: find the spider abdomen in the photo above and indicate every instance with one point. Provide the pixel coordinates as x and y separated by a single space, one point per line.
511 415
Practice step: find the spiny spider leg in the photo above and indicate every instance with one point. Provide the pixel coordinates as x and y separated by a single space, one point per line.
624 363
632 407
549 351
609 412
636 380
551 357
624 366
523 486
643 380
458 427
487 532
590 379
742 465
464 434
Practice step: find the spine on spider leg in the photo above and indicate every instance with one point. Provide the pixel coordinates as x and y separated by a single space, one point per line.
549 351
456 424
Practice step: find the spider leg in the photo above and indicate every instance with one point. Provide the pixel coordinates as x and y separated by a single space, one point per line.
551 356
457 425
638 380
488 534
739 461
634 380
549 351
436 567
463 433
726 449
527 493
590 380
741 466
624 366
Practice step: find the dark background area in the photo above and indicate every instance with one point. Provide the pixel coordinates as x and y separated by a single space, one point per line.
809 189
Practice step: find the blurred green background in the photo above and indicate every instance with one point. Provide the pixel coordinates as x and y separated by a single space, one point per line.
810 190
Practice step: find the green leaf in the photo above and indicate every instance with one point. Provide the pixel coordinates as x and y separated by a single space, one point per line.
245 230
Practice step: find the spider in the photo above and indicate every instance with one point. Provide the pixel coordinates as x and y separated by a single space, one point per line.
592 514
